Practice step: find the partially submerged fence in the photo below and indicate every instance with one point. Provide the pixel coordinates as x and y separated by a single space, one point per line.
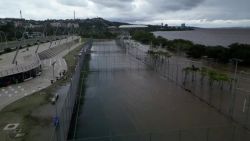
229 97
64 114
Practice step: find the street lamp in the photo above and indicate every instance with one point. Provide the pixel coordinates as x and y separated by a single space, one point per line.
236 61
17 50
53 65
38 43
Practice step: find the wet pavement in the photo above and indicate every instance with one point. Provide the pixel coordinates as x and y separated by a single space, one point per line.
124 97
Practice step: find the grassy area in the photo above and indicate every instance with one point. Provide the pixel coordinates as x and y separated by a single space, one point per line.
32 112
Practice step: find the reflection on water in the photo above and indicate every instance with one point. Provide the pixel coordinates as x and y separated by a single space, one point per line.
124 97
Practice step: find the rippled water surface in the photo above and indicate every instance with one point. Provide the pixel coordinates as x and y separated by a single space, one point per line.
222 37
125 97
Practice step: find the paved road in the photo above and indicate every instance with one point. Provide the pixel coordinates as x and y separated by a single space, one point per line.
124 97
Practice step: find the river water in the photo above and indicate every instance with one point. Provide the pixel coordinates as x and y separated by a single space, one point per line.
126 100
222 37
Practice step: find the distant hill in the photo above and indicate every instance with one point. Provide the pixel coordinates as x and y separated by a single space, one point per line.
100 22
97 27
86 27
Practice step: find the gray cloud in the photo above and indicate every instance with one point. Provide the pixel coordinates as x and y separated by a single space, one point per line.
193 12
122 4
174 5
73 2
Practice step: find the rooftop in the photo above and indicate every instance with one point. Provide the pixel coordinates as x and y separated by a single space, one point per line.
133 26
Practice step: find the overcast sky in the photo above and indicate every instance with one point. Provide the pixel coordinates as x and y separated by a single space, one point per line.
203 13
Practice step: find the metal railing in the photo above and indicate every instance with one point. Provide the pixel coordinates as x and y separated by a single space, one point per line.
217 94
64 114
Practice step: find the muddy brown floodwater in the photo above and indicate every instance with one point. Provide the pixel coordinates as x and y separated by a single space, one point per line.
125 100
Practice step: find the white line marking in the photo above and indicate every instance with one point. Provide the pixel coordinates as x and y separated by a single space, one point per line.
50 62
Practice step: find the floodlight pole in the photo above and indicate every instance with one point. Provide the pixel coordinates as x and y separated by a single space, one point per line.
231 110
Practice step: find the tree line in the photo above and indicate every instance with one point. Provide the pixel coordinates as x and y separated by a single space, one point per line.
218 53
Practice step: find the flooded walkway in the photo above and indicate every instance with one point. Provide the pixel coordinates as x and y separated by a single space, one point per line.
125 99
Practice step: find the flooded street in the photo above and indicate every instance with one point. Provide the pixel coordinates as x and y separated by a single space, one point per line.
126 99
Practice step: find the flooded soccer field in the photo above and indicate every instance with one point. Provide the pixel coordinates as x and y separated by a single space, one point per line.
126 100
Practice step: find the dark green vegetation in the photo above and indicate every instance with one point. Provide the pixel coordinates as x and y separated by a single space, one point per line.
212 74
6 50
217 53
15 29
143 37
97 28
99 35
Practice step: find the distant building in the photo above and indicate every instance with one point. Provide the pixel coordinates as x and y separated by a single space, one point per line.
132 26
74 25
183 25
18 23
56 24
113 29
3 23
34 34
35 26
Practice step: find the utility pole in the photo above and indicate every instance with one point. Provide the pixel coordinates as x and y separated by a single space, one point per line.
53 65
74 15
237 61
21 14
